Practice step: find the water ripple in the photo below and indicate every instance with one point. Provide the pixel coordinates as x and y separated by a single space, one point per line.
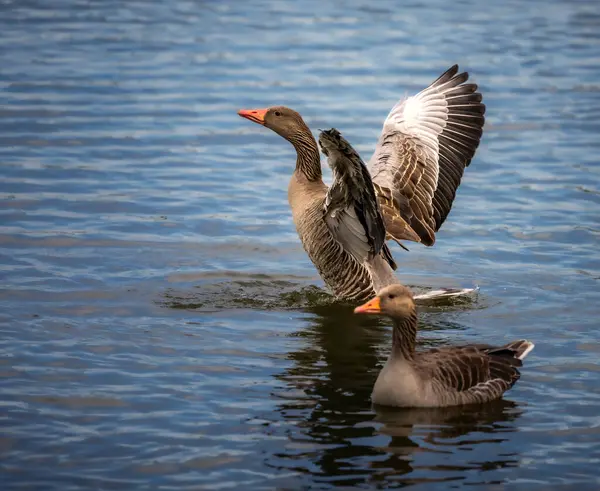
161 324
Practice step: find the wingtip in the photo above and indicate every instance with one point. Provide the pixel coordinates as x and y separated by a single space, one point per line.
443 293
528 350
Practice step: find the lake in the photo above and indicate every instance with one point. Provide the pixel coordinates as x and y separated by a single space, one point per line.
161 326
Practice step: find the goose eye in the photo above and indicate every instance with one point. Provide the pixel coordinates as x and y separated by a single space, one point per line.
277 113
391 296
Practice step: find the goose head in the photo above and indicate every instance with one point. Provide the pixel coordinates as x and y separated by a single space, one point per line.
282 120
395 301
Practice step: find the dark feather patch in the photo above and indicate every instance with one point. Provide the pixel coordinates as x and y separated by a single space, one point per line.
492 369
352 210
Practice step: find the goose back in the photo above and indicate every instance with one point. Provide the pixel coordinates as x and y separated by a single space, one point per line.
468 375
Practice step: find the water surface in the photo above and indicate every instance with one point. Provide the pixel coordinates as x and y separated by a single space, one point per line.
161 326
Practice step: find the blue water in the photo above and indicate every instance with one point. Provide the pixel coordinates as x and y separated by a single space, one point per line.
161 326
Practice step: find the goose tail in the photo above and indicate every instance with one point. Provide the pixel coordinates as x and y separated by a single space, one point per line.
521 348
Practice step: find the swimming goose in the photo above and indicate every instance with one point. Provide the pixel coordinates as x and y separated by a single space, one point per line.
440 377
426 142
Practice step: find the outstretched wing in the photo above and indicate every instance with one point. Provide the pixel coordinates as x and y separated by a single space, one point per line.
351 209
426 143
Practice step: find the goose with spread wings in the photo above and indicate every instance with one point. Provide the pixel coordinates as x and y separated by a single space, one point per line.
404 193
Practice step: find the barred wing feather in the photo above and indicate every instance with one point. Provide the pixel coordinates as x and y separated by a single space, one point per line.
426 142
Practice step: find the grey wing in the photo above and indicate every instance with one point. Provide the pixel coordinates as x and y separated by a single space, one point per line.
471 368
351 209
426 142
347 229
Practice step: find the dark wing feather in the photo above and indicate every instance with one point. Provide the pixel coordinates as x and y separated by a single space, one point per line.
351 209
515 350
426 143
474 367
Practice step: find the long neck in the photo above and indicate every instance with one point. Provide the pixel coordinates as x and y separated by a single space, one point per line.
308 161
404 336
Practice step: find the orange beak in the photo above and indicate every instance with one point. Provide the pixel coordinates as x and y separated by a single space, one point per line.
256 115
373 306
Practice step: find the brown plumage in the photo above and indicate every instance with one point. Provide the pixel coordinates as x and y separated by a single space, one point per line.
407 188
439 377
426 143
349 253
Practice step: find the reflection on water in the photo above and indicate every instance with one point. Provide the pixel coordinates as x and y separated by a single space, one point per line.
349 443
468 440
